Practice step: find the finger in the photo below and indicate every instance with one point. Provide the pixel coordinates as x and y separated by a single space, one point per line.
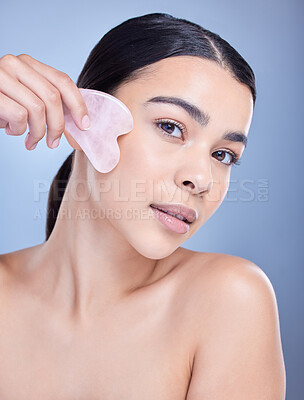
47 93
26 98
70 93
13 116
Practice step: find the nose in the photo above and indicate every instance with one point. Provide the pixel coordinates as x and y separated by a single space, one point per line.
195 177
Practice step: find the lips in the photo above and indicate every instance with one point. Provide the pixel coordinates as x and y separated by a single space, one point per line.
178 210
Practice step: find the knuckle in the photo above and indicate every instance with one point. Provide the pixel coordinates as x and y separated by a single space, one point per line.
60 128
54 96
37 132
21 115
64 78
57 129
38 107
20 129
24 57
8 59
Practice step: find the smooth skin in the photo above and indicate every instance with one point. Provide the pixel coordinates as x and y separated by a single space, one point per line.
112 307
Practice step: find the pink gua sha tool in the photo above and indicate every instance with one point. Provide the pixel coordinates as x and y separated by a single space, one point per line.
109 119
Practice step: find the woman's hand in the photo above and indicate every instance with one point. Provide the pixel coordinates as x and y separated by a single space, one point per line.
32 92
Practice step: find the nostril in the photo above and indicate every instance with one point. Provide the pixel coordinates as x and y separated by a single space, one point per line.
186 184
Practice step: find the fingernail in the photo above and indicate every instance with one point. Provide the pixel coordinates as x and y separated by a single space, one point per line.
85 122
8 130
29 142
34 145
55 143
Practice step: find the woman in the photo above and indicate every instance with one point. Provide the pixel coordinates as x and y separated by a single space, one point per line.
111 306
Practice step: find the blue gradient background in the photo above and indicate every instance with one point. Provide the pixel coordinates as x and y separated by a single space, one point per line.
261 218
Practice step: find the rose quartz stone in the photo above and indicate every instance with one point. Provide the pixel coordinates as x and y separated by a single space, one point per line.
109 118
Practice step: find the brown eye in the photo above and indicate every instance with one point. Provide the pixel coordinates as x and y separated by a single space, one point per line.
168 128
221 155
171 127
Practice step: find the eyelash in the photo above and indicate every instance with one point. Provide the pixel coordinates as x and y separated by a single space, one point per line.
235 157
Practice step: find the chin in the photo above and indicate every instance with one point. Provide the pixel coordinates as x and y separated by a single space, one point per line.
154 248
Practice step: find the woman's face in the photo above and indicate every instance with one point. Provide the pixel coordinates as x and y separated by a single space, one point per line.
186 164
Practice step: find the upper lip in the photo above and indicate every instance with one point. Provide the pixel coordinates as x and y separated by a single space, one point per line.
189 213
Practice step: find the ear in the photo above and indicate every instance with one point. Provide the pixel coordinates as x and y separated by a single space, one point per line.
72 142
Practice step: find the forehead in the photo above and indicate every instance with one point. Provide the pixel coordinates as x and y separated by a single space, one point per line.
200 81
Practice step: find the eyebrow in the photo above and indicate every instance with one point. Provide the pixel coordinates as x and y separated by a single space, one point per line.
198 115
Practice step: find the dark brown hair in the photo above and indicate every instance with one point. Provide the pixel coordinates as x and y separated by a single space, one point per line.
125 50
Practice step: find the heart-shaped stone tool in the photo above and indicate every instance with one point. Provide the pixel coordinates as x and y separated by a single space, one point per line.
109 119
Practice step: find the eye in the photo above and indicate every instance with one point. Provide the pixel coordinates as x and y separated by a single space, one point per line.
170 126
234 158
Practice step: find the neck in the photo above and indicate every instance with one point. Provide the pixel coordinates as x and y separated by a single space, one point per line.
89 261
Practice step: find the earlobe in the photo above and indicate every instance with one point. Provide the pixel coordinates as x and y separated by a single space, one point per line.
72 142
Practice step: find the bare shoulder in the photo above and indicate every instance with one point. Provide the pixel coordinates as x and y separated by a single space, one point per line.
8 262
237 332
16 262
230 275
229 285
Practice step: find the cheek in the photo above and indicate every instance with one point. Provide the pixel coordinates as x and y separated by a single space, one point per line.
133 151
130 181
139 156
